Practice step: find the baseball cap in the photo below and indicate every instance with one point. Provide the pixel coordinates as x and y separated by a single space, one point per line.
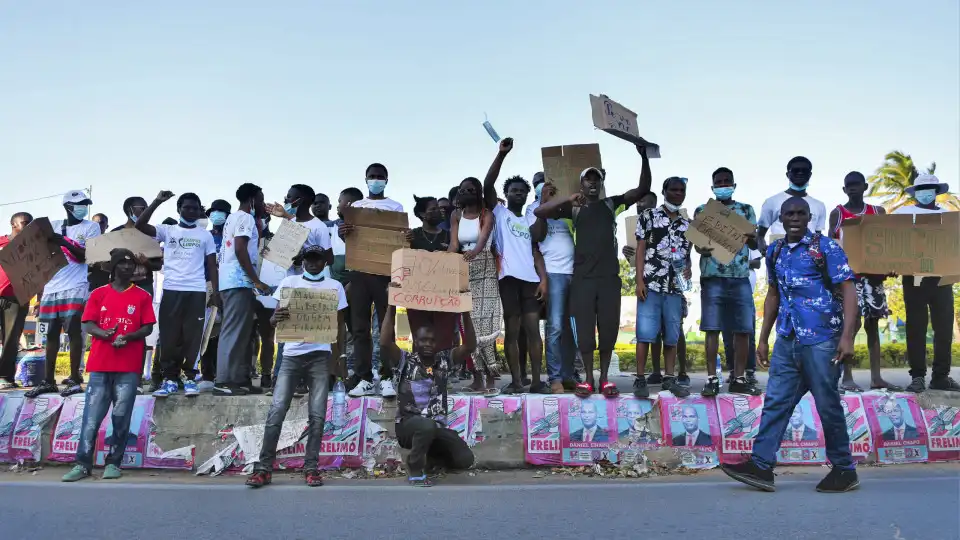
219 205
118 255
312 250
928 180
76 197
589 169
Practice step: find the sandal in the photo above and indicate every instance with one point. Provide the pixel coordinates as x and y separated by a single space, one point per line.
851 387
511 389
583 390
420 481
491 392
609 390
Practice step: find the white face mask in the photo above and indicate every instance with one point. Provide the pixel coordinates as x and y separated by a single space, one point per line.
671 207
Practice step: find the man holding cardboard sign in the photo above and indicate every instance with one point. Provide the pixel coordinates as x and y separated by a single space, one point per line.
922 293
13 312
368 282
724 232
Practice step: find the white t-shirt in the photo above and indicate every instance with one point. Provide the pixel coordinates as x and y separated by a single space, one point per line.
74 274
754 255
557 246
232 276
512 240
297 282
319 235
184 254
385 203
770 214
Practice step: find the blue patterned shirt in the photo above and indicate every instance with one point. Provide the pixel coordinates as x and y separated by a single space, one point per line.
808 305
739 267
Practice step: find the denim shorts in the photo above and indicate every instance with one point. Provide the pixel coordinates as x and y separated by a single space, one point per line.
726 304
660 313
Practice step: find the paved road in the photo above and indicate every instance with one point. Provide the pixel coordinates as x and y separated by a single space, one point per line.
902 503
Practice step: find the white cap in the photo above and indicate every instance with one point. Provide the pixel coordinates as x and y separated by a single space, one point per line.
588 169
928 180
76 197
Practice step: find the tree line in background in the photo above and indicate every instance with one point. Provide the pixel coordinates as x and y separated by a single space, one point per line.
888 184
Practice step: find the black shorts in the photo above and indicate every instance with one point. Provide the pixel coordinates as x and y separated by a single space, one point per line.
518 296
595 306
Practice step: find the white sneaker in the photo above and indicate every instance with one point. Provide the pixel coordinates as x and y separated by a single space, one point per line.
386 389
363 388
205 386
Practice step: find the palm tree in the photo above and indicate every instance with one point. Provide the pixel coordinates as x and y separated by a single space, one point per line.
897 173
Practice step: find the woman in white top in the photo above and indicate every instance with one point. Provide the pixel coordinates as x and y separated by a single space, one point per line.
470 233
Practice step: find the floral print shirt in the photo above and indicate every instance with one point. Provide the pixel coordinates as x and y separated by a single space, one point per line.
739 267
665 240
420 388
808 306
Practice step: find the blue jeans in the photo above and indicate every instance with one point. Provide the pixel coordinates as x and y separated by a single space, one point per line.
727 304
729 351
315 366
795 369
660 313
559 333
103 390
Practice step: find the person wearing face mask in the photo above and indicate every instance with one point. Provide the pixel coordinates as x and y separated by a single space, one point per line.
661 244
799 171
13 314
143 277
923 293
726 297
63 297
446 208
102 221
366 290
189 256
217 214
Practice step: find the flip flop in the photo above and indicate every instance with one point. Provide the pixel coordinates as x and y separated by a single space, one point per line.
583 390
491 392
851 387
888 388
609 390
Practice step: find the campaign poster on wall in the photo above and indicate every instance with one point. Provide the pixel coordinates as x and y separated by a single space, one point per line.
899 433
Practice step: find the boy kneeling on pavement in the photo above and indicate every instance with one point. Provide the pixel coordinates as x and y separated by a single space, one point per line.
310 360
119 317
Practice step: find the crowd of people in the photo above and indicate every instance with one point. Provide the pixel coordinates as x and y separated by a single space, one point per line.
555 259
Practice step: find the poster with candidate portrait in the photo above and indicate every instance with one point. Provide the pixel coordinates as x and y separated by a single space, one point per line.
899 433
943 432
803 442
637 429
691 424
739 423
588 427
858 428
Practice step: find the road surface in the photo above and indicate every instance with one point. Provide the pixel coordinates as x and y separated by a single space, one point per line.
901 503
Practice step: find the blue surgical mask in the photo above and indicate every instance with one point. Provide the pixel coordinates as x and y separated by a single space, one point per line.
79 211
724 193
290 209
133 218
538 190
313 277
187 222
218 218
795 187
376 187
671 207
925 196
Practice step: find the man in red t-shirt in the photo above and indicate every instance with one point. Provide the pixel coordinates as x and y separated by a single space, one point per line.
12 313
119 317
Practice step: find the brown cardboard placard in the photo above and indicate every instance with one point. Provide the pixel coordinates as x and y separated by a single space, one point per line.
430 281
31 260
905 244
631 230
99 247
313 315
376 235
619 121
286 243
721 229
562 165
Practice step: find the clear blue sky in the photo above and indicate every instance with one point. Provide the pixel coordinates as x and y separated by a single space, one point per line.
203 96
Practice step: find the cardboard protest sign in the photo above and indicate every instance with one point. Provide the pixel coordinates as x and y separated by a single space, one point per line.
619 121
99 247
30 260
803 442
906 244
562 165
376 235
209 322
430 281
313 315
721 229
285 244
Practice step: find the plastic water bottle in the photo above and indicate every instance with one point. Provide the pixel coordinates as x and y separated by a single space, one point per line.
679 265
719 371
614 370
339 403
